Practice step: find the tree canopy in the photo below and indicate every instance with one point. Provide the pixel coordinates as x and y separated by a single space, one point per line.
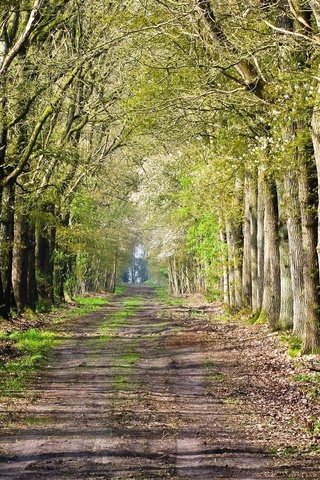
192 127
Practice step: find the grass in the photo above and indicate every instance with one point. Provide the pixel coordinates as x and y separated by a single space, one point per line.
163 296
37 420
127 361
120 289
30 348
118 319
316 427
294 345
214 376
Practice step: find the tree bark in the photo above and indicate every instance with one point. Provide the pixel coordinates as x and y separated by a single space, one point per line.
293 212
286 305
44 252
6 245
272 289
260 240
234 240
225 277
253 206
20 262
310 264
246 271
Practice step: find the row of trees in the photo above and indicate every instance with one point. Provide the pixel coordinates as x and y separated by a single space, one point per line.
212 107
63 196
235 87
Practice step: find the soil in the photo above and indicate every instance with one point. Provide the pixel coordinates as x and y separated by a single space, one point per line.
172 395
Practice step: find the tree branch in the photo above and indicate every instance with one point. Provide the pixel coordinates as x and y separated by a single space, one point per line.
15 50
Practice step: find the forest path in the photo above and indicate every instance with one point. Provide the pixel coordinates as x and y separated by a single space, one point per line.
156 394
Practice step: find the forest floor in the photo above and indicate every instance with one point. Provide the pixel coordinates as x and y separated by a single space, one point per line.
147 390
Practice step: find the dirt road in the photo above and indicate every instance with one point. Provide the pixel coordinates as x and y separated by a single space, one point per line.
166 395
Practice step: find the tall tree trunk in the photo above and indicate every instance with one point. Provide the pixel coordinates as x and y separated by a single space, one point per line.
20 261
310 265
246 271
225 277
32 291
238 243
316 146
260 240
286 305
234 240
231 267
44 252
253 186
271 291
293 212
6 245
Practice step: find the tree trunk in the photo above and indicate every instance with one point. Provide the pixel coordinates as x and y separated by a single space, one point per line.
246 270
234 240
316 146
32 291
225 277
260 241
6 245
271 291
286 306
238 243
20 261
231 268
310 259
45 246
253 205
293 212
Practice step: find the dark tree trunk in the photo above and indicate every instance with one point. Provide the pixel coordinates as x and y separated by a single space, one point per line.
45 243
32 291
6 246
20 262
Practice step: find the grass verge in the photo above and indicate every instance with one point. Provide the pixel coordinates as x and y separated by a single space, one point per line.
29 349
23 352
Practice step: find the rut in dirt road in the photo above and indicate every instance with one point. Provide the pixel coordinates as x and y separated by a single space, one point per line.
153 398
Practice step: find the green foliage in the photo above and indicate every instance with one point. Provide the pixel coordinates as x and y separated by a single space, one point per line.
316 428
294 345
32 348
90 303
163 296
43 306
33 341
